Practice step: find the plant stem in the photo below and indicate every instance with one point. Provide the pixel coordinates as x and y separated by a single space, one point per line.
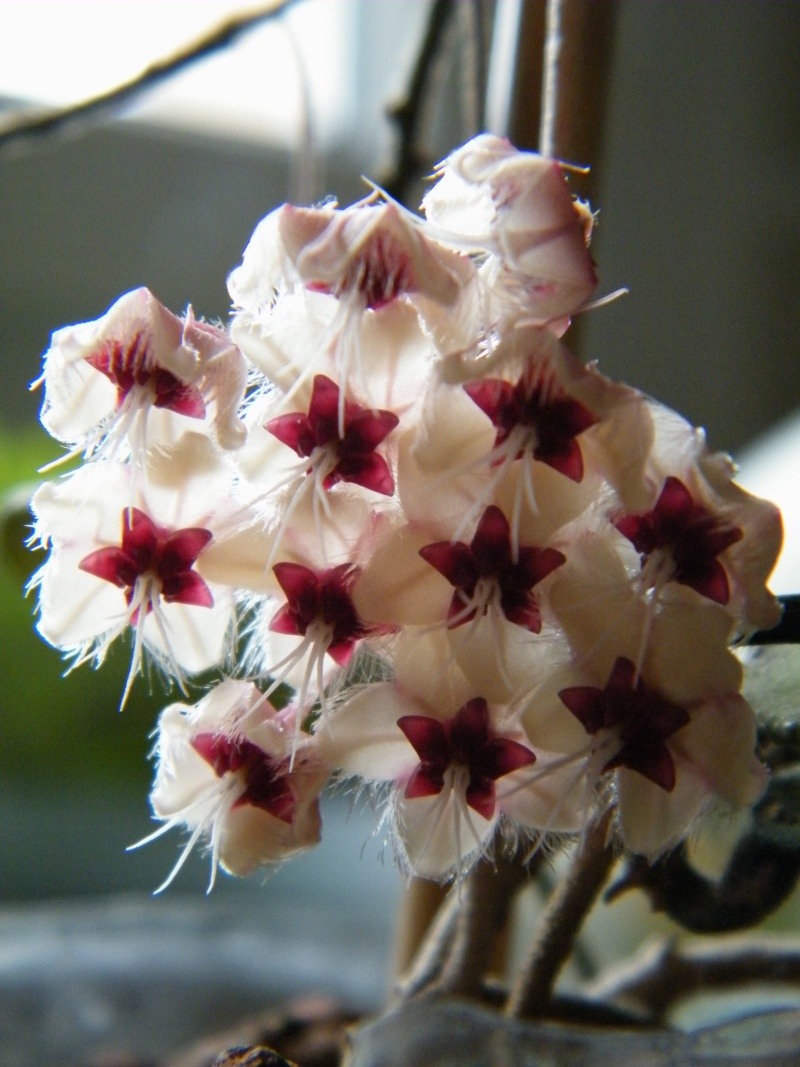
423 970
665 972
457 951
407 114
25 127
563 917
418 914
486 899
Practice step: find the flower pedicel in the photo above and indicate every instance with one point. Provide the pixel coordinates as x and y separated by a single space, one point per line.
503 588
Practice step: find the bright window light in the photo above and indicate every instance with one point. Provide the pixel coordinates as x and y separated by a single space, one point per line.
60 52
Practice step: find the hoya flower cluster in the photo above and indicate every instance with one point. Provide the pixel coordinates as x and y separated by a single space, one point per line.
502 588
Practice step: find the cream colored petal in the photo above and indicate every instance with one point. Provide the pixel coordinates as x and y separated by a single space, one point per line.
362 737
652 820
720 742
549 796
183 777
688 658
76 608
546 720
425 668
195 638
438 835
254 838
593 598
77 398
83 510
397 586
239 561
501 660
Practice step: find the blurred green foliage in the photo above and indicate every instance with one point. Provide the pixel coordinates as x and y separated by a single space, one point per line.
57 730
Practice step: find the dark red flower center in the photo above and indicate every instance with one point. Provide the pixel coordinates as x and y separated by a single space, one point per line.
167 557
484 573
535 414
638 717
321 603
266 781
679 540
349 456
466 742
379 273
130 365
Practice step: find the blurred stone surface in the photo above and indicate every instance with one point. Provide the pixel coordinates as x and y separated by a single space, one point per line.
447 1033
127 980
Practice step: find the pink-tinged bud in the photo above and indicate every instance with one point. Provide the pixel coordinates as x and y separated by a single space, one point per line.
369 254
516 206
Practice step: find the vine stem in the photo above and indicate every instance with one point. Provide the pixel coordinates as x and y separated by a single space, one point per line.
461 942
23 127
420 908
487 896
665 971
552 51
563 916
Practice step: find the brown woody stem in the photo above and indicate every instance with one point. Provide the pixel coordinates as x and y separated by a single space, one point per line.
664 972
19 128
486 899
564 914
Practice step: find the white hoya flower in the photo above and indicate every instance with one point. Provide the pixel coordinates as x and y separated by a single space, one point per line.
224 773
123 556
516 206
459 768
386 297
140 374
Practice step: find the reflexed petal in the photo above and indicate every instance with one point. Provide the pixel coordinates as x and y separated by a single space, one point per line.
187 588
502 756
183 547
453 560
424 782
111 564
367 429
290 430
653 761
301 586
481 798
284 621
587 705
491 545
720 741
341 652
368 470
427 737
